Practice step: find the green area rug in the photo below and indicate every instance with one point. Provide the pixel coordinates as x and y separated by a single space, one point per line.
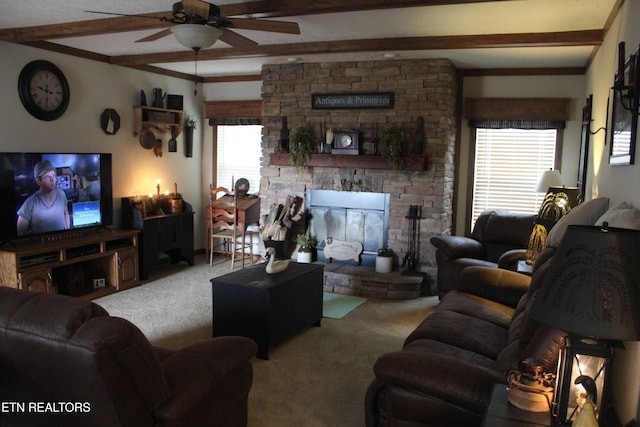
336 306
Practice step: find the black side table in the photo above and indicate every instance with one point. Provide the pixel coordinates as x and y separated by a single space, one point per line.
501 413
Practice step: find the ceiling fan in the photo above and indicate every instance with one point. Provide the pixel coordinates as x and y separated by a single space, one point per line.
192 13
198 25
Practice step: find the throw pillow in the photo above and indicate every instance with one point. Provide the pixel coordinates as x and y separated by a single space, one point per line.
586 213
623 215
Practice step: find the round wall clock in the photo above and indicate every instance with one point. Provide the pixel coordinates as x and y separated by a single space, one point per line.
43 90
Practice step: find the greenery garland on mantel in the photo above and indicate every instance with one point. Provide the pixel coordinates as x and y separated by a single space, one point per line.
301 145
390 145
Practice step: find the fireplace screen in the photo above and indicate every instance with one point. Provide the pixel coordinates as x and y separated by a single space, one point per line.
350 216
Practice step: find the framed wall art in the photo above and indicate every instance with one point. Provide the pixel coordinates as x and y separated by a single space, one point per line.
623 125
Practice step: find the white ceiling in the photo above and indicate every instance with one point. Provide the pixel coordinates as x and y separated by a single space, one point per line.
484 18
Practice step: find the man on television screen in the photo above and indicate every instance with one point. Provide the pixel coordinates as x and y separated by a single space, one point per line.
87 169
46 209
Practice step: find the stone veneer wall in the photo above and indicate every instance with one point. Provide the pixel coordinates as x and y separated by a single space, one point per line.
422 88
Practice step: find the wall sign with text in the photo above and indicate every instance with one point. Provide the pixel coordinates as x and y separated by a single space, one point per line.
332 101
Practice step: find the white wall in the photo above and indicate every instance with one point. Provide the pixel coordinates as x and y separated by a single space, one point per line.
95 86
619 183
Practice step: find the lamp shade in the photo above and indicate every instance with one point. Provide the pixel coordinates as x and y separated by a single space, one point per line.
592 285
196 36
550 178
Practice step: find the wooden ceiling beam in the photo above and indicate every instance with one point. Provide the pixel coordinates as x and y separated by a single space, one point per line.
484 72
255 9
233 78
84 28
567 38
281 8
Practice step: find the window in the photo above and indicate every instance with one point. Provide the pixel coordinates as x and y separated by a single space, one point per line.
508 163
238 155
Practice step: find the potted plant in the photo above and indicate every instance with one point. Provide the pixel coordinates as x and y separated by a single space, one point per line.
306 243
390 145
301 145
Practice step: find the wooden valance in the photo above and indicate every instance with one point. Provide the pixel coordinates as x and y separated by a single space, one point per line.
233 109
517 108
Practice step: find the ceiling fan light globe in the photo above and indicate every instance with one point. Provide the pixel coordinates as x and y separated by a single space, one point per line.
196 36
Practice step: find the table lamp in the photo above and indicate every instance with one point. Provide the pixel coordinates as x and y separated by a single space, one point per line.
557 203
549 178
592 292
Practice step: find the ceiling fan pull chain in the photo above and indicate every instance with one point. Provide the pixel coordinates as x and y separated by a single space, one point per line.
195 90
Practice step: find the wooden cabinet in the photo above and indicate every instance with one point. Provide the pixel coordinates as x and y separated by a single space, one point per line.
127 264
157 118
160 232
36 279
69 265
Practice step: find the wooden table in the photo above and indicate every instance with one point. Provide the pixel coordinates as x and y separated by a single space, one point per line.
267 308
501 413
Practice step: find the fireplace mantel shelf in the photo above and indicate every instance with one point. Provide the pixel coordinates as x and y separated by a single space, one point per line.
417 163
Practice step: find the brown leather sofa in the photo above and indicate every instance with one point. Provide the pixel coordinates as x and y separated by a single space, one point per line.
444 373
66 362
493 242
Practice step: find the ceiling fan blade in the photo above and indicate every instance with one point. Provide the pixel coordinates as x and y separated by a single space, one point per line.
264 25
155 18
236 40
155 36
196 7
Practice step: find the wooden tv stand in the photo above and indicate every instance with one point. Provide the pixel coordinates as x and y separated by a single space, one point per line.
76 263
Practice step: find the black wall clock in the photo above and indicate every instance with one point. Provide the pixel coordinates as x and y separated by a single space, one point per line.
43 90
346 142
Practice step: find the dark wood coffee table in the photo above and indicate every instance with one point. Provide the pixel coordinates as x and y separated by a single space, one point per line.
268 308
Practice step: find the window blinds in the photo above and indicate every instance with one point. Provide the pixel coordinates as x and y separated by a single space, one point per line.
508 164
239 152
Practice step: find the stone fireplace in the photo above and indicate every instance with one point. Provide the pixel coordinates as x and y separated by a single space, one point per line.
424 92
351 216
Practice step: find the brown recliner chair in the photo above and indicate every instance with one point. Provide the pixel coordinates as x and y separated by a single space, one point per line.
444 374
497 240
66 362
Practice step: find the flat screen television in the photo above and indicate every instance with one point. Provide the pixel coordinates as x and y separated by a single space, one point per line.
43 193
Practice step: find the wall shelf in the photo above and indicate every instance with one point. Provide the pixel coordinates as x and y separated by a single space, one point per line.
417 163
158 118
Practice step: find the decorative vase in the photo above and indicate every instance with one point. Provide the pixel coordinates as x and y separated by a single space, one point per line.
305 255
188 141
384 261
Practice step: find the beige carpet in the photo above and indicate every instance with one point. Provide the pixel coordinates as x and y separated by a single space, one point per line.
317 378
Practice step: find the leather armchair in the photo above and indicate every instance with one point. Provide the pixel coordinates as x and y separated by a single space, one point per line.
445 371
497 240
86 368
